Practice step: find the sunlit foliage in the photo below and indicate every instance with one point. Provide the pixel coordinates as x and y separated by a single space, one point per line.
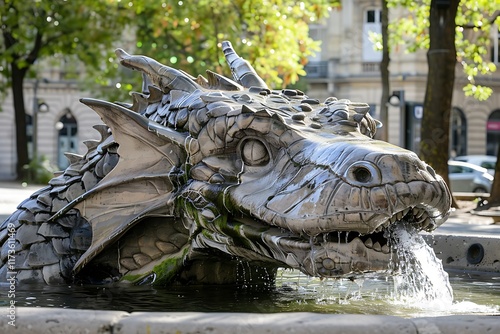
271 34
474 21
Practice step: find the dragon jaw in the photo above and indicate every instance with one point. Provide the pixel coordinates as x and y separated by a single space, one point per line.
326 254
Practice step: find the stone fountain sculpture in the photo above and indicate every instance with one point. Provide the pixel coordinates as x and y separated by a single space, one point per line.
213 180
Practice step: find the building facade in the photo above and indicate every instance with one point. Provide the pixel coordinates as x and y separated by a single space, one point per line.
62 123
348 67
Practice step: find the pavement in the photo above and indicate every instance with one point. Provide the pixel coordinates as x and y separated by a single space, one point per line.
11 194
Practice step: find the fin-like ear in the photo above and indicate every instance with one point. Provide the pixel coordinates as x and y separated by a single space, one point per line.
217 81
141 183
165 77
243 72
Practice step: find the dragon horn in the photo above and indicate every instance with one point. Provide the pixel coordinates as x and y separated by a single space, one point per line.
160 75
242 71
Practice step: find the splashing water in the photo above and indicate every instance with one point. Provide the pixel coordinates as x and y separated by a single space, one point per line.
417 286
419 274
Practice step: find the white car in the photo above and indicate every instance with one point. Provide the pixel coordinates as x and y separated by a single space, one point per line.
485 161
466 177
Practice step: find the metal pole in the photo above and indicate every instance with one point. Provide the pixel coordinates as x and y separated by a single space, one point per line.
35 121
403 130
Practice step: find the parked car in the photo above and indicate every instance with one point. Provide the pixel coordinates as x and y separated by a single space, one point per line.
467 177
485 161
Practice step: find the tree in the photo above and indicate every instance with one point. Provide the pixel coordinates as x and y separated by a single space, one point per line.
494 199
384 72
442 27
33 30
441 60
270 34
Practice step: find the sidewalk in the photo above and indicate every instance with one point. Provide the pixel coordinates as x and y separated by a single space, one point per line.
11 194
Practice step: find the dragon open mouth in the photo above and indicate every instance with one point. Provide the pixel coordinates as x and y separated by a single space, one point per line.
335 253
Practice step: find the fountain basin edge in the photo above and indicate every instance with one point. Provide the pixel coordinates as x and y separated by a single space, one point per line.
59 320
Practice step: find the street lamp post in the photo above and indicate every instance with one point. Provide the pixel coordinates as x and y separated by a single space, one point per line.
38 107
397 99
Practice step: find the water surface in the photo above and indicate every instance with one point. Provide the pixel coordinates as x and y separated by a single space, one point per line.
294 292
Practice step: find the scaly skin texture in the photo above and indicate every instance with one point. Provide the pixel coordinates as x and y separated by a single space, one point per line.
221 181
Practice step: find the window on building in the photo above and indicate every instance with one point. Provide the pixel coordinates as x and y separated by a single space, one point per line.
29 134
372 24
495 47
316 67
371 16
458 135
493 133
67 138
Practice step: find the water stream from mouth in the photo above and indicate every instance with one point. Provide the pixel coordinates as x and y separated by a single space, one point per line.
418 274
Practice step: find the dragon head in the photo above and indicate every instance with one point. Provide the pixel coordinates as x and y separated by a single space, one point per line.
308 189
266 176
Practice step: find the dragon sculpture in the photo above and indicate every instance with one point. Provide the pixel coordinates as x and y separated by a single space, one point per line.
214 181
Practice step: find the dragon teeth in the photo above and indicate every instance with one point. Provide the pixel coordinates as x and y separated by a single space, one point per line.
369 243
386 249
399 215
426 223
419 214
416 211
377 247
423 217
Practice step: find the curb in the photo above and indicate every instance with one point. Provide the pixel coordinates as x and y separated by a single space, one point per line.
58 320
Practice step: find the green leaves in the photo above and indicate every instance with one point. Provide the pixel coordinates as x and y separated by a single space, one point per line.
479 92
271 34
473 21
32 30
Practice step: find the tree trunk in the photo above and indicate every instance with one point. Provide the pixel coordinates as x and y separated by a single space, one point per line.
494 199
441 58
384 74
20 119
17 79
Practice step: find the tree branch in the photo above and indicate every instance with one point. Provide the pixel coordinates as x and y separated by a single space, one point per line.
491 20
33 55
9 40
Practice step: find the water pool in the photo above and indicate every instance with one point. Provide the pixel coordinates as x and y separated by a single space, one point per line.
474 293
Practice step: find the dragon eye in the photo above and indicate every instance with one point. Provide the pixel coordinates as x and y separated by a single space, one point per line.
254 153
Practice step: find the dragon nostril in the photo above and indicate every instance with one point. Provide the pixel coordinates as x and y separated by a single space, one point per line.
362 174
